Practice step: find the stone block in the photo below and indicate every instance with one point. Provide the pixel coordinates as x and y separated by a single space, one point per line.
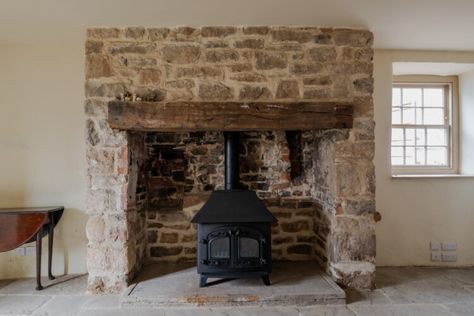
169 238
149 76
95 228
323 38
364 85
300 249
288 34
135 32
251 43
217 31
295 226
256 30
266 60
94 47
215 91
356 38
103 33
248 77
255 93
158 34
323 54
240 67
287 89
303 69
101 88
219 56
165 251
181 54
199 72
184 33
318 94
322 80
130 48
180 84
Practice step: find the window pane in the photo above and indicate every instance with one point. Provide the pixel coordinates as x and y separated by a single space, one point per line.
433 97
433 116
396 97
420 155
419 115
411 97
397 156
436 136
410 137
397 136
396 116
408 115
410 156
436 156
420 136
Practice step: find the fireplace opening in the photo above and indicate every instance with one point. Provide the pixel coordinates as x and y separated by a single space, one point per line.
234 227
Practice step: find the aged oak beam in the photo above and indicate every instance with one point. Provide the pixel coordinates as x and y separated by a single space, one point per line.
228 116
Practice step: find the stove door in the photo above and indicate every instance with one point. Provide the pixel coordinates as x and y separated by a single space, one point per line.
249 247
219 248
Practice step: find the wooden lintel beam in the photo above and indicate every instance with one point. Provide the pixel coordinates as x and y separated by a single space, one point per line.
228 116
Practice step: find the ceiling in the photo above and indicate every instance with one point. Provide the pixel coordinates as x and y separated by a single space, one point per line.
400 24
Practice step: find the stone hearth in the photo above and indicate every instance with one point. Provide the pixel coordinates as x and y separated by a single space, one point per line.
143 187
293 283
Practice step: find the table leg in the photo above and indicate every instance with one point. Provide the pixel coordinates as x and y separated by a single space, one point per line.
38 260
50 246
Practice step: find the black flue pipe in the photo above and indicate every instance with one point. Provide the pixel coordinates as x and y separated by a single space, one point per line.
231 160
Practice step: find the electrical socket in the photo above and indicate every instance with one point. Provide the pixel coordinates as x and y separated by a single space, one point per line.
450 246
449 257
435 256
434 246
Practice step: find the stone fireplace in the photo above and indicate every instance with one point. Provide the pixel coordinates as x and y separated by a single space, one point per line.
145 184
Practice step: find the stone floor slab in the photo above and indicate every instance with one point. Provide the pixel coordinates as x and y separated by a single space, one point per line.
293 283
401 310
461 309
420 285
325 311
62 305
21 304
72 284
357 297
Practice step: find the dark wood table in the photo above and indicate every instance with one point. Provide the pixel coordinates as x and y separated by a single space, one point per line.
19 226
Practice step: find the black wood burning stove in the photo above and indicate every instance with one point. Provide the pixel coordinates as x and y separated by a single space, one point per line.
234 233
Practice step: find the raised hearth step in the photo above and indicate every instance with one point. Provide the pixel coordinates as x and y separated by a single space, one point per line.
293 283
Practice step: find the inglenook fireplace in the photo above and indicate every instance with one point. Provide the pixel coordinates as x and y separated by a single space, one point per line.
234 235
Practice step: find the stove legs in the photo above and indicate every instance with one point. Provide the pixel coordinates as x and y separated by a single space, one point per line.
266 280
202 281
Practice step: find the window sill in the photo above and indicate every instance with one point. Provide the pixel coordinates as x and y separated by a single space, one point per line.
430 176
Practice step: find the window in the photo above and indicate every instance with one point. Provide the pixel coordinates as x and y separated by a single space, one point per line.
422 125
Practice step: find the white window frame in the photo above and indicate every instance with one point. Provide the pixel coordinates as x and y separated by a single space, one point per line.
453 123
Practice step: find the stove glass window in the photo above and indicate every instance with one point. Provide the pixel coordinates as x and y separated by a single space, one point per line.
248 248
220 248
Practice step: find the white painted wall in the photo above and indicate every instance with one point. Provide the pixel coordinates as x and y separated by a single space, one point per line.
43 159
42 150
466 88
415 211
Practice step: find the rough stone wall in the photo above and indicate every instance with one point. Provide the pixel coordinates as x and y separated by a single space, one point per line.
115 225
183 168
345 192
230 63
